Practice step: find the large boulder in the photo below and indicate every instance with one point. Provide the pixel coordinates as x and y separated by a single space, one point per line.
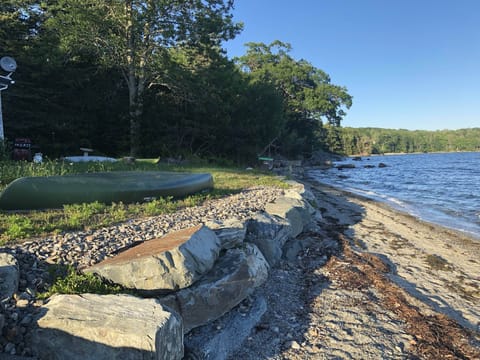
235 275
231 232
299 191
288 209
9 276
101 327
297 211
322 159
269 233
156 266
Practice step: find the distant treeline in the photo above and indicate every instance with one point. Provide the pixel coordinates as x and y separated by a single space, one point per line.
352 141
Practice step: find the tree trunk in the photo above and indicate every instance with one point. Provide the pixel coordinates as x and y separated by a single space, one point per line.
135 113
136 83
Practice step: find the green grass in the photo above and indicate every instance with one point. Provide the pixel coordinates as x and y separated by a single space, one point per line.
67 280
18 226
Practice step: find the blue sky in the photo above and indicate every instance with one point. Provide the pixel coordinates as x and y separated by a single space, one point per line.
410 64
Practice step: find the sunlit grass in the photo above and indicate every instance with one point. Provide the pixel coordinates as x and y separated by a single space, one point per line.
68 280
18 226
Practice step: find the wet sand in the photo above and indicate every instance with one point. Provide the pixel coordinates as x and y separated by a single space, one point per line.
438 266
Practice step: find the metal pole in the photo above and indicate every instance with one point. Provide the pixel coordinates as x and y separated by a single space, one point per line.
1 119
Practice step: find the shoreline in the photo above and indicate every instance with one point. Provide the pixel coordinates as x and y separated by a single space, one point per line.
438 266
413 153
470 236
415 211
370 282
318 305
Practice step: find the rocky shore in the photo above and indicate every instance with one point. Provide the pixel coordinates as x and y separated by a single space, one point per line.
372 283
85 248
363 282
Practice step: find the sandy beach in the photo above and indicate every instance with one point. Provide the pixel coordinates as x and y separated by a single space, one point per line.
373 283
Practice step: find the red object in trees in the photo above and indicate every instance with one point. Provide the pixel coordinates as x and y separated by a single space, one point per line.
22 149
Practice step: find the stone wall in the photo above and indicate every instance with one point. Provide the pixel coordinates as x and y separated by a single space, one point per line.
184 280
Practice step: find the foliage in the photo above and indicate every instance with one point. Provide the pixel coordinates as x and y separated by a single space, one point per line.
68 280
380 141
135 37
5 151
150 78
18 226
309 97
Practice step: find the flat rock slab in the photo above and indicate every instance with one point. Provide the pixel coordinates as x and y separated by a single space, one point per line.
170 263
97 327
235 276
9 276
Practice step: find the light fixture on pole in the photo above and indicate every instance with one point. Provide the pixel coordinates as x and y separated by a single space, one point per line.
8 65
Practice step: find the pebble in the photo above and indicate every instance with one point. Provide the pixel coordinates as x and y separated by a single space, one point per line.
10 349
293 345
22 303
85 248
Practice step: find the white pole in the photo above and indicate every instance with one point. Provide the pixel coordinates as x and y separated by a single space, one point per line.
1 119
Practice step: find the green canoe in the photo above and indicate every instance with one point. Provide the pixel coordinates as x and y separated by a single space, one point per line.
56 191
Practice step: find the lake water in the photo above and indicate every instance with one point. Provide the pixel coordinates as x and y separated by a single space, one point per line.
439 188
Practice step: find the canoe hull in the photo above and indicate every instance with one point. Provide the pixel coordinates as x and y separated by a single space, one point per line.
127 187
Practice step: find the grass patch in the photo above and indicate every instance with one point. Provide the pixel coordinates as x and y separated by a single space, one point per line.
18 226
67 280
436 262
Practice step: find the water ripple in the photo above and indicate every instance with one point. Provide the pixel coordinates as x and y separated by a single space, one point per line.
440 188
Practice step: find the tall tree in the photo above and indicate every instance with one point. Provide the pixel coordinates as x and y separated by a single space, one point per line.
309 96
135 36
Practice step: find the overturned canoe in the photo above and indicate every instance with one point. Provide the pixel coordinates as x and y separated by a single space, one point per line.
106 187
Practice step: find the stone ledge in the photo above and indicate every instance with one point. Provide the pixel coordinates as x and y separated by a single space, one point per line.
236 274
9 276
156 266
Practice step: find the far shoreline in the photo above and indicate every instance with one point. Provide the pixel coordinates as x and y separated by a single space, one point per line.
411 153
461 234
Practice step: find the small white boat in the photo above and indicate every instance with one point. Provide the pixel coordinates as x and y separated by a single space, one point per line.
86 157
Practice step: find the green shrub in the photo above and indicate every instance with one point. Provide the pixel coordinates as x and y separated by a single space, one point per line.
19 227
77 215
67 280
